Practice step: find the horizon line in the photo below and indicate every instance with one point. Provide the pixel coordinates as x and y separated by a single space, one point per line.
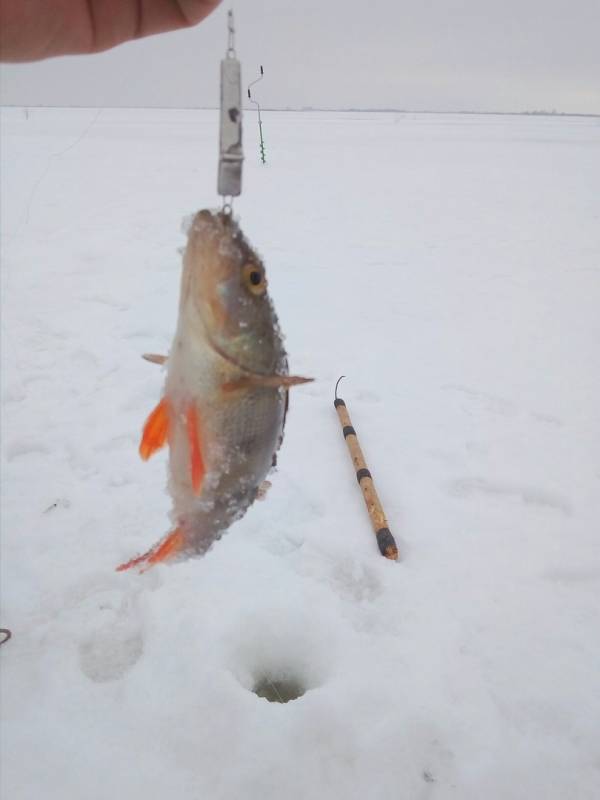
309 109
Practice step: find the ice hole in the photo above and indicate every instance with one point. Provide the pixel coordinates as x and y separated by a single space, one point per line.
281 654
278 690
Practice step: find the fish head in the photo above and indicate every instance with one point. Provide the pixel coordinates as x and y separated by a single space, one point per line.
224 287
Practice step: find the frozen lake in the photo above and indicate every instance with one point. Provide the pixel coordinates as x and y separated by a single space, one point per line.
450 267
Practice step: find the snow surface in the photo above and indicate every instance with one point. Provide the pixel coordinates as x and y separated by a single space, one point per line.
450 267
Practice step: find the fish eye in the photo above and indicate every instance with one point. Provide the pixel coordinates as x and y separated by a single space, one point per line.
254 278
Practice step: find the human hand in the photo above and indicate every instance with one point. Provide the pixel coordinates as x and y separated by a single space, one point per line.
36 29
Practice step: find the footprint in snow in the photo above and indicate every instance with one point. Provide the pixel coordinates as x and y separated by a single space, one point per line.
528 495
21 447
82 359
476 401
112 640
14 393
547 419
367 396
355 581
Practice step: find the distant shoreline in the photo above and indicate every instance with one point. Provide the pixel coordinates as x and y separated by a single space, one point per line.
321 110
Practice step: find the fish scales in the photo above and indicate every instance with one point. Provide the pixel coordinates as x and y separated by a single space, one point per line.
223 409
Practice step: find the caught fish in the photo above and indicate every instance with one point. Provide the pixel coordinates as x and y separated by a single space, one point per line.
225 397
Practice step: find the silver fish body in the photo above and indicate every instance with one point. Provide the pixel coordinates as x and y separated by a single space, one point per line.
225 397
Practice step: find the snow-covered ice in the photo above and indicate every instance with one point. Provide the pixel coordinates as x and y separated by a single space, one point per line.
450 267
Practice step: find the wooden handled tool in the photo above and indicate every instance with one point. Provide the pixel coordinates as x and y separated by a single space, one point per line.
385 540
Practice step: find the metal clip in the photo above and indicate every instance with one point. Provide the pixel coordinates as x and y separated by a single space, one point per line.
231 155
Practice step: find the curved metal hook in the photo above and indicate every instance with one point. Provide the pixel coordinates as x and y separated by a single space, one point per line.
337 384
260 77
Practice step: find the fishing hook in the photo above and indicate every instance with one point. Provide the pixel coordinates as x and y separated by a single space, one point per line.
257 104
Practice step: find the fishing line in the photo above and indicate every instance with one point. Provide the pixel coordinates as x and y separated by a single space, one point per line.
275 689
49 164
24 222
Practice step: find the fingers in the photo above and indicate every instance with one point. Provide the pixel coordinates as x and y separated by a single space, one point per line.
34 29
153 16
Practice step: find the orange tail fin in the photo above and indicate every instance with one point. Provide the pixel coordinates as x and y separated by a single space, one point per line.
156 430
196 462
165 550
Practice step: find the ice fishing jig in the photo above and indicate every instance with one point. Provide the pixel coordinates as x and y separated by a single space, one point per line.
385 540
231 156
257 104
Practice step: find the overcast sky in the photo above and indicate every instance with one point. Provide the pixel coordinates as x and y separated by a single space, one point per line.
483 55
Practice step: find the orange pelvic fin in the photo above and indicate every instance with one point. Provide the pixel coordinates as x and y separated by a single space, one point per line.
165 550
274 381
196 462
156 430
